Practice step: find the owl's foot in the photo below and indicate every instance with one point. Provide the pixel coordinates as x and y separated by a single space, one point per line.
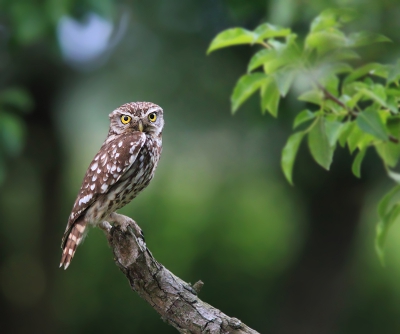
105 226
123 222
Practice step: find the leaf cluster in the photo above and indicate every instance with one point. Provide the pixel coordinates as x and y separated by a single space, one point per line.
347 105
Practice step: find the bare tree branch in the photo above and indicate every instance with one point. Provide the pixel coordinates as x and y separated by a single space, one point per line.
175 300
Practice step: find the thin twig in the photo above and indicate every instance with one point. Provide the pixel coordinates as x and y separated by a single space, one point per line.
354 113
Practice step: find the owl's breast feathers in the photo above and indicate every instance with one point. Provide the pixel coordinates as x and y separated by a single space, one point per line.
114 158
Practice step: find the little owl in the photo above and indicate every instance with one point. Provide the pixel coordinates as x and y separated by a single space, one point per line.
122 168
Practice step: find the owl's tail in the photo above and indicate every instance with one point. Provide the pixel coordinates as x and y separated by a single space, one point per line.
72 238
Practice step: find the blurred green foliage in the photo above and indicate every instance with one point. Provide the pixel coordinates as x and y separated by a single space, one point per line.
357 107
218 209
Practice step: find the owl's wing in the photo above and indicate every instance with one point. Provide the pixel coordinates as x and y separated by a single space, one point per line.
107 167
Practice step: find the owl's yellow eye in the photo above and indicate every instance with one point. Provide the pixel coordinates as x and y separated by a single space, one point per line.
125 119
152 117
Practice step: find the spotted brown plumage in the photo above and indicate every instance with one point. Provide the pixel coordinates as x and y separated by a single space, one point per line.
124 166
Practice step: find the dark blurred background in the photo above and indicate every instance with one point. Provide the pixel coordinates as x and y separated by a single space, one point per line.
282 259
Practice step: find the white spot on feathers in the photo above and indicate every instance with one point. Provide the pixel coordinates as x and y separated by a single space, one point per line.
104 187
94 177
80 228
94 166
85 199
120 144
92 186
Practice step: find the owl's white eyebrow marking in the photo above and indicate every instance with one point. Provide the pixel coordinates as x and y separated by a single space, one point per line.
152 109
94 166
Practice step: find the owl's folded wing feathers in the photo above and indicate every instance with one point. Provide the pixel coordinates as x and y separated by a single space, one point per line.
108 166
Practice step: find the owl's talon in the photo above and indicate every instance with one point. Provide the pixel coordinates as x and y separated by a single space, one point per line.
123 222
105 226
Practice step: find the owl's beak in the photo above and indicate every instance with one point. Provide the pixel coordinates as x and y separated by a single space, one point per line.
140 126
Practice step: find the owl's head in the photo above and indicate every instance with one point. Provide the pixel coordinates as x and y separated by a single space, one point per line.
145 117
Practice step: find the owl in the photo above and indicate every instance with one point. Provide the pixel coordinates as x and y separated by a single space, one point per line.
122 168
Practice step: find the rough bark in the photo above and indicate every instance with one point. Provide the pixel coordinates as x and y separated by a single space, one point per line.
175 300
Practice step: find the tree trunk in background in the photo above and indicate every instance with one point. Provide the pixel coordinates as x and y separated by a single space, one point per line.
45 152
316 286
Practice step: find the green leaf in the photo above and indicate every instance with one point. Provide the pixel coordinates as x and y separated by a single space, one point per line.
370 122
313 96
392 104
333 130
394 72
340 68
345 132
233 36
341 54
331 83
356 167
270 96
393 125
245 87
389 152
289 154
365 38
355 138
382 230
319 146
323 21
302 117
371 69
377 94
281 55
284 78
17 98
384 205
388 212
326 40
266 30
261 57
